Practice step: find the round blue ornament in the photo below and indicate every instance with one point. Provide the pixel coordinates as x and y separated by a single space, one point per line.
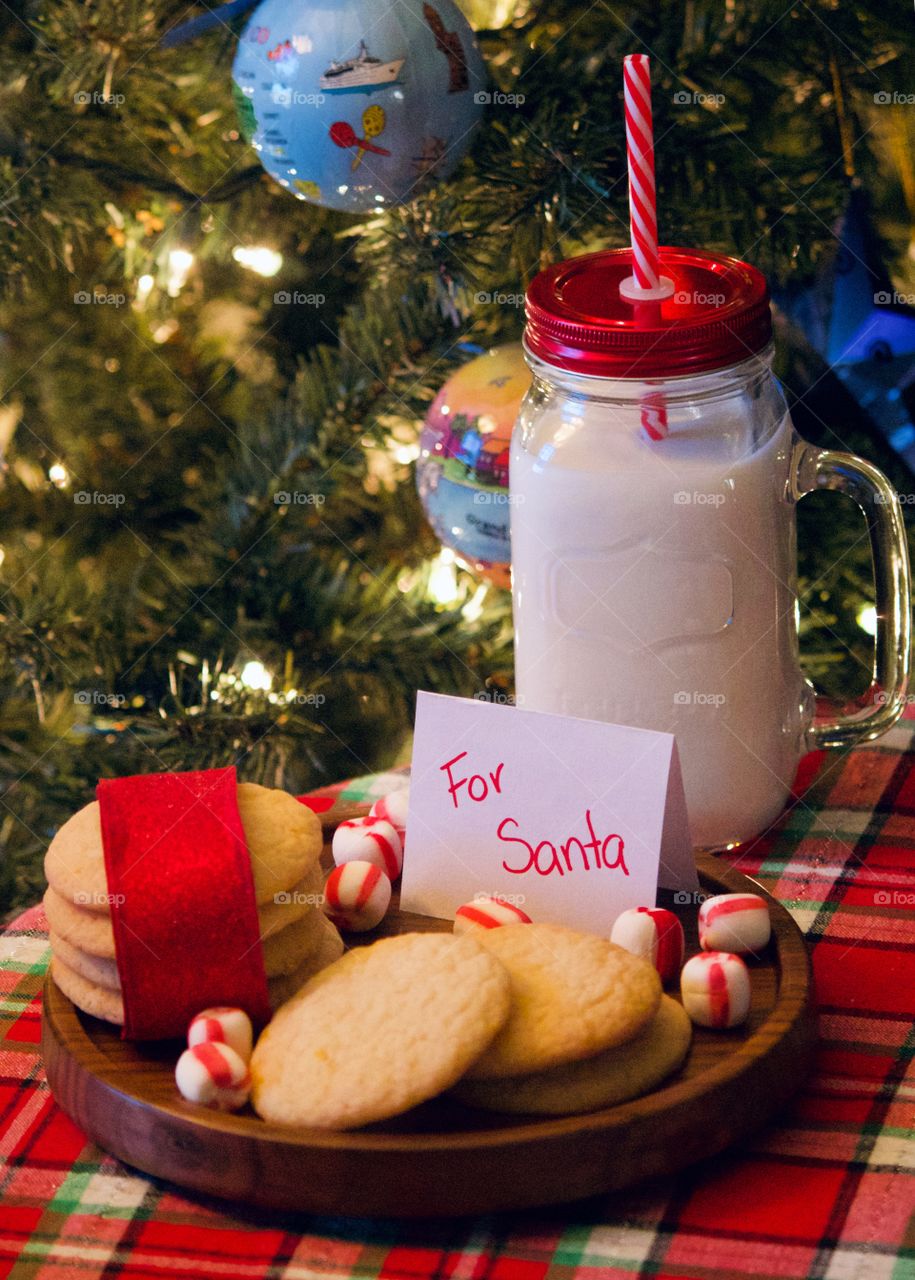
357 104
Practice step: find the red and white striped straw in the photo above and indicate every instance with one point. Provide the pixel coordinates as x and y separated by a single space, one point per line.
643 217
643 214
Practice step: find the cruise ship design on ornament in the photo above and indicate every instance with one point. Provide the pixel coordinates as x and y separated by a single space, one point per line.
360 74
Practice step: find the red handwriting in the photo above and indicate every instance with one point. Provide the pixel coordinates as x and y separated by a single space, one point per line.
477 786
544 858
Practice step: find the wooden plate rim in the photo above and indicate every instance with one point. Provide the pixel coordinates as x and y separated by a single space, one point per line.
791 1005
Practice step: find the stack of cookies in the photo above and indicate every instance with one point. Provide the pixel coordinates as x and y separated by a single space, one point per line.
284 842
536 1019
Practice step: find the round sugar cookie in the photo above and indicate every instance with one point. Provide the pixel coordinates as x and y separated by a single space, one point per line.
573 995
288 948
284 951
88 996
384 1028
613 1076
95 969
283 836
329 949
91 931
103 1003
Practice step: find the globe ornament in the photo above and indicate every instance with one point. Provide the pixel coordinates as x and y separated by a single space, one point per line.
358 104
462 470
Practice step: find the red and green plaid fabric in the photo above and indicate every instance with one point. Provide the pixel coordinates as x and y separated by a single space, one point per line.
829 1192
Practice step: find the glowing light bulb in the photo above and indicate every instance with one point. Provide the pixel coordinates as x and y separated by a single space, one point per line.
866 618
59 475
254 675
443 583
406 453
258 258
474 606
180 262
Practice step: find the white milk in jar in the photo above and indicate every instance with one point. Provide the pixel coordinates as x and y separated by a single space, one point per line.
654 580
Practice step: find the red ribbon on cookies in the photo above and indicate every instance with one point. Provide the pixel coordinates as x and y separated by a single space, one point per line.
186 930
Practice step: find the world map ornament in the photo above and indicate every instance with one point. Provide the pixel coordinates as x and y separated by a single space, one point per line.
358 104
462 470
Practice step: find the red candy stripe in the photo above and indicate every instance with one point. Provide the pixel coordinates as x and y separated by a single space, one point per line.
719 999
184 915
477 917
746 902
387 852
332 888
209 1056
669 956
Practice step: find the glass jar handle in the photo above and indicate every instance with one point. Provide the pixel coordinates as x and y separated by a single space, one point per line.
826 469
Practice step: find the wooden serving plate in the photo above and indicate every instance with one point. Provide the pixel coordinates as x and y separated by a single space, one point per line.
444 1158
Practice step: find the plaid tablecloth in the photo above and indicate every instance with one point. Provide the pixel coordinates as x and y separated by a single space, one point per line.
829 1192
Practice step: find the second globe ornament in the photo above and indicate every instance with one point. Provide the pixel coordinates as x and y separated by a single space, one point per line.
357 104
462 471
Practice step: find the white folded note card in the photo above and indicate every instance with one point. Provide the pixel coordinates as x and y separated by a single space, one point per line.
572 820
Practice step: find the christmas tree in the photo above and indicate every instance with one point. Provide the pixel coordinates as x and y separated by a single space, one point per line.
166 602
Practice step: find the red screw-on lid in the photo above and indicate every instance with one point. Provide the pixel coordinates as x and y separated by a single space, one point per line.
718 314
